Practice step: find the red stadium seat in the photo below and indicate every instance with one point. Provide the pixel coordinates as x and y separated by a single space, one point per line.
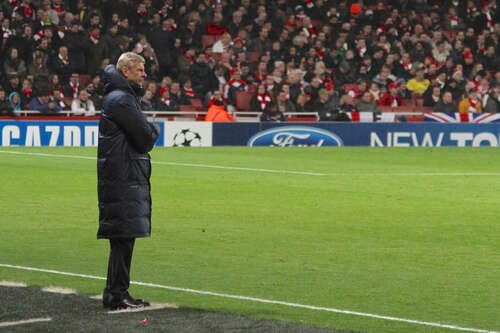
404 109
197 104
84 79
424 109
243 99
186 108
384 108
317 24
419 102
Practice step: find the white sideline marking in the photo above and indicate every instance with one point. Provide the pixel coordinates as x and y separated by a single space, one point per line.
153 306
22 322
12 284
241 169
178 164
58 290
261 300
305 173
417 174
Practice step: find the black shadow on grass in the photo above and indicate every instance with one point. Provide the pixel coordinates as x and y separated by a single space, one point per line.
79 313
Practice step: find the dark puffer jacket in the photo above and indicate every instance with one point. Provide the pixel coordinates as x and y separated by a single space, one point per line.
123 165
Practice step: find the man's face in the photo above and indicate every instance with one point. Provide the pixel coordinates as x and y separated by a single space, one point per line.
44 99
27 31
217 95
282 96
237 17
447 98
135 73
74 78
83 96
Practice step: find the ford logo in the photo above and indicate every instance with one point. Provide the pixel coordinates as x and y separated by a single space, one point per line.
290 136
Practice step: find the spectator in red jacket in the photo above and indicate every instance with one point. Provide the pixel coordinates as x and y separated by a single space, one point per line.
216 27
391 97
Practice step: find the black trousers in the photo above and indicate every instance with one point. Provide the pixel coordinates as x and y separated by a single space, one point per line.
120 258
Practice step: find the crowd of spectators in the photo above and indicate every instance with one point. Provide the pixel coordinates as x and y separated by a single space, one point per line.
323 56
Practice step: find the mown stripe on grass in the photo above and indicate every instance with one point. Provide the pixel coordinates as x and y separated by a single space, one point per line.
261 300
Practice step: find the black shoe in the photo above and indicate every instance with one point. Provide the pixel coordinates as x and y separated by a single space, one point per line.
135 301
124 304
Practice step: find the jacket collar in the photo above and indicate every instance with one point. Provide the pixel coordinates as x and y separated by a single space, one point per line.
113 79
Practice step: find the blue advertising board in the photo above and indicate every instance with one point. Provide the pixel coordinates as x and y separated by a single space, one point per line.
51 133
357 134
85 133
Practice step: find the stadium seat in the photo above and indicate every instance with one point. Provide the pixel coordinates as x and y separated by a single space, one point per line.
404 109
408 102
197 104
424 109
384 108
317 24
243 99
419 102
186 108
207 41
84 79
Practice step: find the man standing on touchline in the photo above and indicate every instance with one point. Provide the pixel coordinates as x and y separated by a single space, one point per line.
123 172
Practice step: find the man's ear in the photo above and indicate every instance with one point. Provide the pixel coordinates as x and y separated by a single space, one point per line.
124 71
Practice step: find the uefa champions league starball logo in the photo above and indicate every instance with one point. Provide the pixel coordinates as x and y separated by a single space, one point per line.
187 138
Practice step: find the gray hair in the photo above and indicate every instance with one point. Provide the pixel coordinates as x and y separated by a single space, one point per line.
128 59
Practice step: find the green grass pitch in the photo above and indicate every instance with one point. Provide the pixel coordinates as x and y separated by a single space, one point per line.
408 233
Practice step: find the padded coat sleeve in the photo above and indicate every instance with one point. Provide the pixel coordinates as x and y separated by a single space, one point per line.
138 131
